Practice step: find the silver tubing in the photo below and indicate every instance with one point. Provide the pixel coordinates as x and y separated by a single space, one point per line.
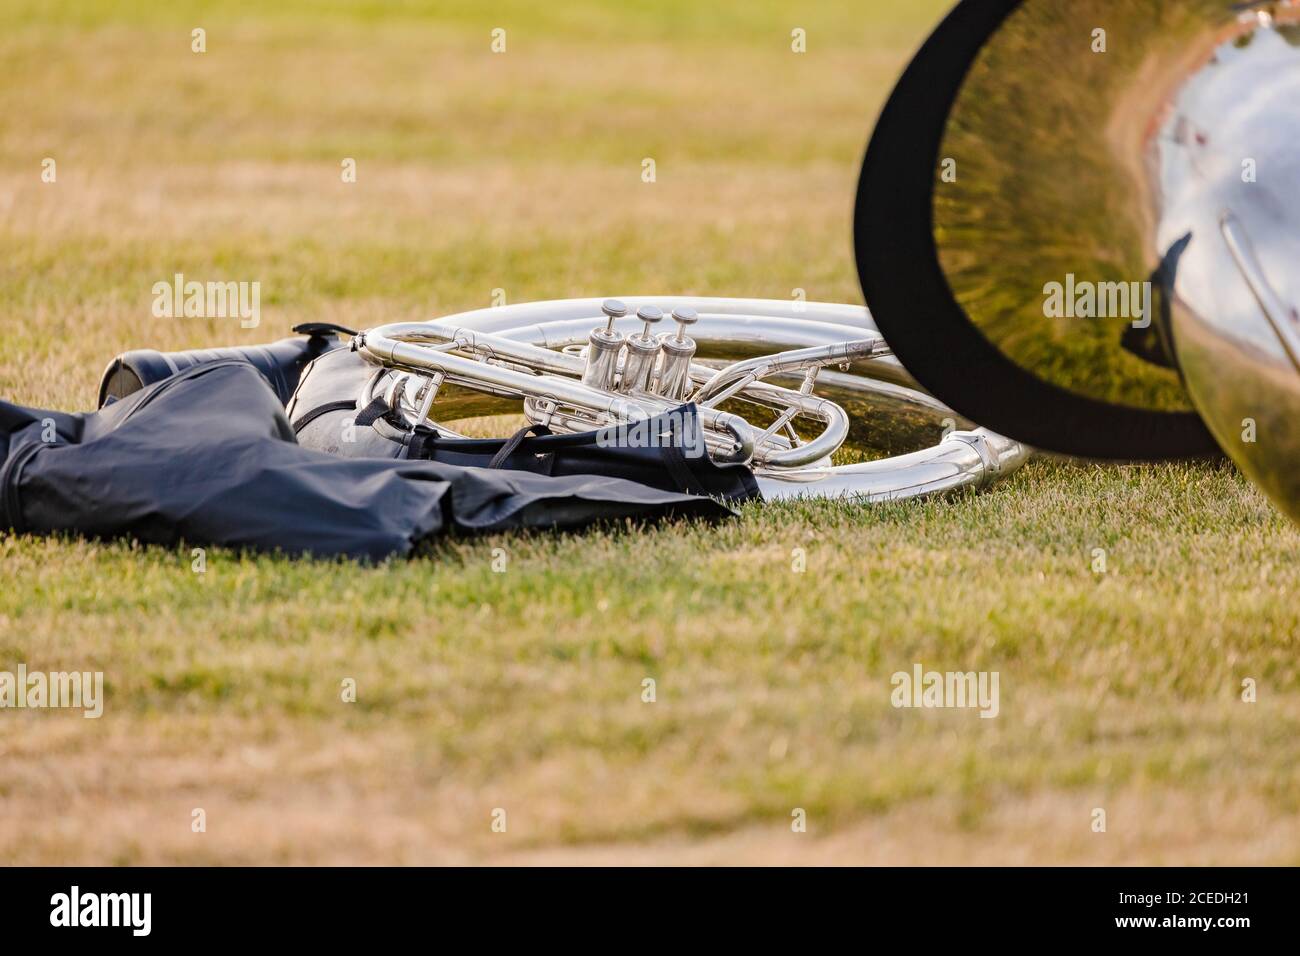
401 346
534 352
398 346
961 460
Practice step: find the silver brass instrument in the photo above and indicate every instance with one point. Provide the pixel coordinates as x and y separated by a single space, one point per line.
1096 227
589 364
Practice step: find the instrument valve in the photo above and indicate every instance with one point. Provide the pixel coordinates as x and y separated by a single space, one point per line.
614 310
650 315
642 352
675 369
603 348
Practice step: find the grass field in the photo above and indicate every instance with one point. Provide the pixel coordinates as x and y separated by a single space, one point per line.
522 690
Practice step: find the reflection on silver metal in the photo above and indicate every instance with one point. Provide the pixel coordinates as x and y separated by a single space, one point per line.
486 362
1282 318
1228 160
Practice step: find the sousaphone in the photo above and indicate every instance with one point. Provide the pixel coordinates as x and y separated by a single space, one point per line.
1078 223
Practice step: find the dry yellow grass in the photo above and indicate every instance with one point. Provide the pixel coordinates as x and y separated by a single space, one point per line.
522 690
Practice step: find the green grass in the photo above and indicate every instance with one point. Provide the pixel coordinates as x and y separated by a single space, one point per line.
521 689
